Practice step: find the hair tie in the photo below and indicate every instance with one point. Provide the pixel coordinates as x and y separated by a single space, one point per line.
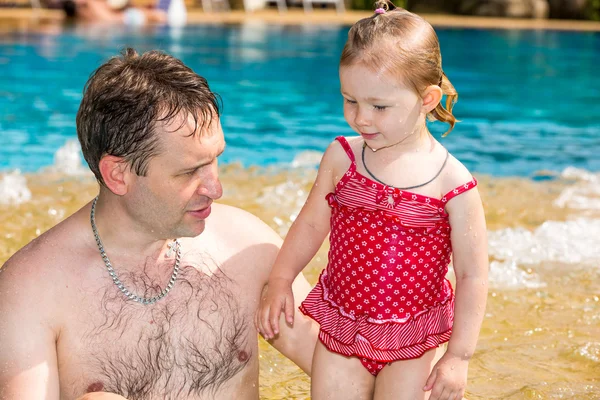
379 11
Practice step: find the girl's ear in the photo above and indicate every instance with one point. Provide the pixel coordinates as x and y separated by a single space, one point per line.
431 98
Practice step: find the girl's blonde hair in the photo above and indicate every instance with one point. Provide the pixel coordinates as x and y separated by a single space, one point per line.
403 44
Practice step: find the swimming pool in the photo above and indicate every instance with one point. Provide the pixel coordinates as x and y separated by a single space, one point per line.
528 99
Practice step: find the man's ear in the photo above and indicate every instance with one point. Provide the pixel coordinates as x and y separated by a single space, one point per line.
431 98
115 172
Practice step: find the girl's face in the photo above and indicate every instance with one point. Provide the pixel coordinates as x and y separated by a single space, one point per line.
378 107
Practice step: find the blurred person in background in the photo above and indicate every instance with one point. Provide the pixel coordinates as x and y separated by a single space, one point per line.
112 11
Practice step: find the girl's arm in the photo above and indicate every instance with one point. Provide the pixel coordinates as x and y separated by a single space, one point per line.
302 242
470 261
297 342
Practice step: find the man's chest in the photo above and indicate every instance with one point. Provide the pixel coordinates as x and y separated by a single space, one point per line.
195 342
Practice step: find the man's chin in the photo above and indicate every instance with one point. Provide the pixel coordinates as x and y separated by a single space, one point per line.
191 229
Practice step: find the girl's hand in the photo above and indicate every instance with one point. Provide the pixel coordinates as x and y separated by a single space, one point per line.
448 379
276 298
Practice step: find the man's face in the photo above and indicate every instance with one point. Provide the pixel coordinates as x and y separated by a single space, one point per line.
174 198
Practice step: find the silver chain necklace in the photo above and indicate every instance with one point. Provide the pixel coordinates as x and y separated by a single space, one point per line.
113 275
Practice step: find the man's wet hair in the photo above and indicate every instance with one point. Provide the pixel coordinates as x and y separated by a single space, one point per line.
129 96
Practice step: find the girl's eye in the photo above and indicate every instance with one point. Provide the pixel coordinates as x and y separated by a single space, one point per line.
349 101
380 108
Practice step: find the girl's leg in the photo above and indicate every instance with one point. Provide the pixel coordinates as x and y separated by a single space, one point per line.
337 377
404 380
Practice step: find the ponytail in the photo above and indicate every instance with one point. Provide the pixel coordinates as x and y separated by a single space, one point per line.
444 114
386 5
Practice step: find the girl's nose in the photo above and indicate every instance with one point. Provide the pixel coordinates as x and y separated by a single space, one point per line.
362 117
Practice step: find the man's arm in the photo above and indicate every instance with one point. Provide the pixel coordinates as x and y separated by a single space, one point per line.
28 361
296 342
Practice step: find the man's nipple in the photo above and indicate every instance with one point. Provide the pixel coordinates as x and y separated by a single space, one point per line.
95 387
242 356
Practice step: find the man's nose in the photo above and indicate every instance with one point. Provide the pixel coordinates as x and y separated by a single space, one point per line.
211 185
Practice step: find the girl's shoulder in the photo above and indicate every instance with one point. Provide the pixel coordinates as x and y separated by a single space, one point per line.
455 174
339 156
343 149
354 142
348 146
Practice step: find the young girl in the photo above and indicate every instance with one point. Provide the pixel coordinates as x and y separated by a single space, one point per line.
396 205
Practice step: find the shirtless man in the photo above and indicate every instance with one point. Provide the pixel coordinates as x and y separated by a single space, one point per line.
108 300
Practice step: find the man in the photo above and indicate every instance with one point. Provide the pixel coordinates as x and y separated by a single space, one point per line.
150 290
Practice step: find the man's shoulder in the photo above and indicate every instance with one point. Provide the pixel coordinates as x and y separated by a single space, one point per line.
237 224
240 242
223 211
31 317
26 284
29 261
33 269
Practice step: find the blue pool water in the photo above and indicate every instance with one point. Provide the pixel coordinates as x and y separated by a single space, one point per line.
529 100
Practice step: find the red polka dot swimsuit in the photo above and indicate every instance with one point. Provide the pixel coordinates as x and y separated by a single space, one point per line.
383 296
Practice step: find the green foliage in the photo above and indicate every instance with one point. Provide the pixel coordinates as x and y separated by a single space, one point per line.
593 10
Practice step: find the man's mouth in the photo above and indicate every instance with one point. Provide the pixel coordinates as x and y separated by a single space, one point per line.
201 213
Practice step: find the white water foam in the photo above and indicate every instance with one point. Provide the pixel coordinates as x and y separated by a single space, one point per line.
67 160
584 194
508 275
287 198
307 159
13 189
567 242
590 350
572 242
